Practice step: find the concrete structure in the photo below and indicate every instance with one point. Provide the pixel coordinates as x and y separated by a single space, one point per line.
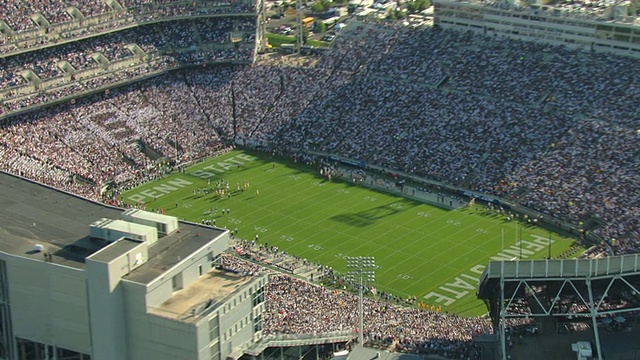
81 297
163 223
542 23
562 292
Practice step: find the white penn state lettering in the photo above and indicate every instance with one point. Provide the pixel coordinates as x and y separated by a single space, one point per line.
159 190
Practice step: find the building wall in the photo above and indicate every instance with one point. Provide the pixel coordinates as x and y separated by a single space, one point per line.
236 317
107 303
48 303
161 289
623 39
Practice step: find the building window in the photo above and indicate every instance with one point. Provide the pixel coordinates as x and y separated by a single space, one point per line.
214 350
213 329
215 260
258 297
257 323
176 282
200 270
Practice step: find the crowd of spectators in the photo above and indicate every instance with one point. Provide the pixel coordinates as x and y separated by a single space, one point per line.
294 306
31 79
533 123
23 16
297 307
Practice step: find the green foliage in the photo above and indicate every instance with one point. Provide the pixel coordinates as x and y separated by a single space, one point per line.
317 7
391 14
418 247
418 5
320 27
305 34
276 39
320 6
317 43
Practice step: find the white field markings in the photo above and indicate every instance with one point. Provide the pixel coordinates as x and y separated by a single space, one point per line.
323 231
413 256
417 244
451 238
270 193
288 217
372 239
479 249
421 280
336 233
473 249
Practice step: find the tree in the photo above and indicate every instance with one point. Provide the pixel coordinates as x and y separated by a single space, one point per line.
320 27
412 7
305 34
326 4
317 7
418 5
423 4
391 14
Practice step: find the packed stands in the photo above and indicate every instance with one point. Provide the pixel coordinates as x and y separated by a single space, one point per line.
533 123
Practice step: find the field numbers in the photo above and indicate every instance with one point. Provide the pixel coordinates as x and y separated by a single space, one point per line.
294 177
187 205
405 276
286 238
396 206
315 247
343 191
424 214
454 223
319 184
234 221
260 229
369 198
482 231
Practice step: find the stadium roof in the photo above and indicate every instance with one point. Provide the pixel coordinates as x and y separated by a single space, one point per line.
33 214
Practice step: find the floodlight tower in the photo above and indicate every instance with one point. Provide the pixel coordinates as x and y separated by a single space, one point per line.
262 29
360 269
299 37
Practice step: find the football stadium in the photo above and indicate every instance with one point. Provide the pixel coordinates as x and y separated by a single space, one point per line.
288 180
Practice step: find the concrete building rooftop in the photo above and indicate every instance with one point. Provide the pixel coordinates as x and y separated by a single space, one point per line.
172 249
33 214
210 290
115 249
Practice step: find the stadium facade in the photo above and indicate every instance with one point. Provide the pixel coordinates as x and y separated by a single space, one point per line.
597 32
82 280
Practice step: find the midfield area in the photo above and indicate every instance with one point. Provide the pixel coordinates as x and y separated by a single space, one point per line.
422 250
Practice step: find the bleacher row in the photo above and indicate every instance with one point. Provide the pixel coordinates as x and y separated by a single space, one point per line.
548 127
65 71
26 24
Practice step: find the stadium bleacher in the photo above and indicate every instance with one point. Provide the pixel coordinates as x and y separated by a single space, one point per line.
548 127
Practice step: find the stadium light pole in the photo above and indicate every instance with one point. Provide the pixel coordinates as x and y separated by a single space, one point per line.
361 268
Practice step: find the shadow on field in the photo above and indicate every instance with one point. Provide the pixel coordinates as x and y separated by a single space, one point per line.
370 216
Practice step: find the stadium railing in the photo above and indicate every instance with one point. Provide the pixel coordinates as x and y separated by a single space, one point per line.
285 340
14 42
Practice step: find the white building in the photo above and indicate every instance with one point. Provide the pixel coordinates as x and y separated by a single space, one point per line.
152 297
541 23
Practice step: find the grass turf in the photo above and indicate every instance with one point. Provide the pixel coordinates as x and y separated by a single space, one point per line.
421 250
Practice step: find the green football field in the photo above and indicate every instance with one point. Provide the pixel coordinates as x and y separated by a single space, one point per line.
421 250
